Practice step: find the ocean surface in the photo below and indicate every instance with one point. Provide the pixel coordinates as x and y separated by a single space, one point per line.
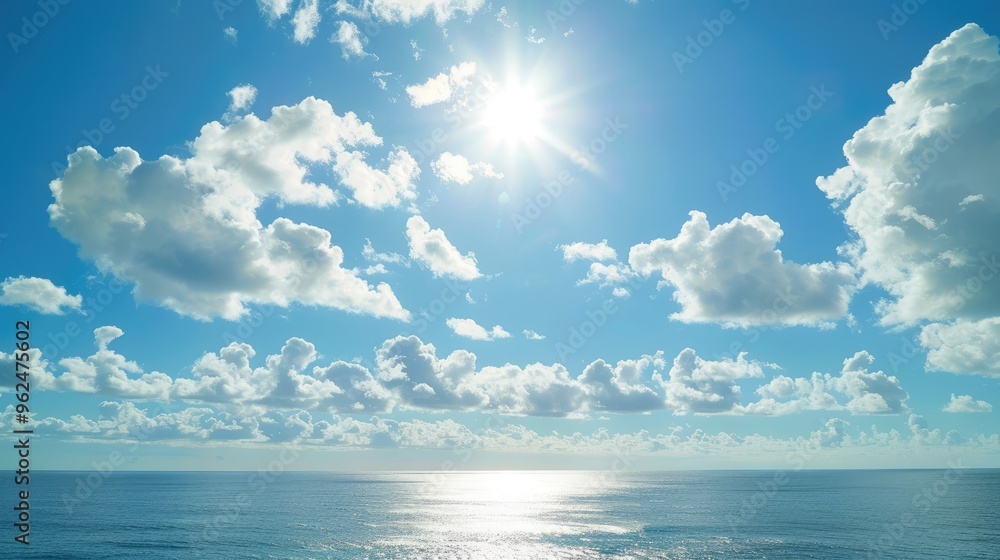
911 514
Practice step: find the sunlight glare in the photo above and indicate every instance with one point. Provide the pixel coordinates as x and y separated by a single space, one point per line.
513 114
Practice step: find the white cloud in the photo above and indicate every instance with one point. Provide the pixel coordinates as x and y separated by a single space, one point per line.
352 42
38 294
734 274
370 254
965 403
185 231
442 87
106 372
963 346
408 11
305 21
375 188
605 275
532 335
865 392
578 251
503 17
468 328
454 168
622 387
432 248
532 38
703 387
919 188
231 34
241 98
274 9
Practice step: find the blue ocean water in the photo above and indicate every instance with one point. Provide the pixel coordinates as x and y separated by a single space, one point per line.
905 514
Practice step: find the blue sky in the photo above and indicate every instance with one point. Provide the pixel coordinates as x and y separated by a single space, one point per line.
538 235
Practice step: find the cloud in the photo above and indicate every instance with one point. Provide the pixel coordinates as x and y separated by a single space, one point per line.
105 372
622 387
532 335
274 9
865 392
370 254
241 98
702 387
579 251
231 34
919 190
118 421
965 403
442 87
971 347
408 374
352 42
433 249
456 169
408 11
734 274
305 21
186 231
468 328
38 294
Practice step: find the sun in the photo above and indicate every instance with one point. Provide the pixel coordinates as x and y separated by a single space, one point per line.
513 114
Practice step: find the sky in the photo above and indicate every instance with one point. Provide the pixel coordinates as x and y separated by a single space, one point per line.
455 234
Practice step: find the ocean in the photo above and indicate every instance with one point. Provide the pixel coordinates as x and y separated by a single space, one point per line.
721 515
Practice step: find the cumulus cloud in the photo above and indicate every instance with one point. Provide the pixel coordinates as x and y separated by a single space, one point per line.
105 372
38 294
580 251
408 11
734 274
469 328
963 346
305 21
965 403
532 335
702 386
352 42
432 248
442 87
409 374
454 168
864 392
186 233
241 98
920 193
